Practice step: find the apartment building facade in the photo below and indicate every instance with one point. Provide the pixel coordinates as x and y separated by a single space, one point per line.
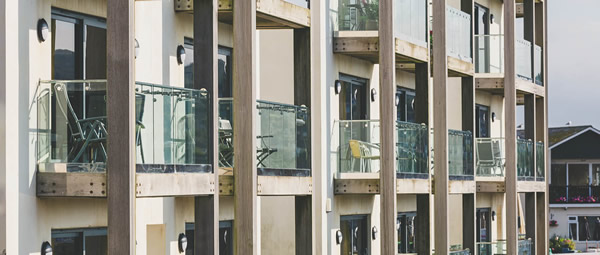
273 127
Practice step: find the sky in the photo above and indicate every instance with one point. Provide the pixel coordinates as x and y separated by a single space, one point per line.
574 62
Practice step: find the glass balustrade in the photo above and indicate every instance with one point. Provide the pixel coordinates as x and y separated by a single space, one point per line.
412 148
358 150
525 247
283 138
538 65
461 252
358 15
523 60
458 32
170 127
410 21
490 159
540 160
491 248
489 54
460 153
525 169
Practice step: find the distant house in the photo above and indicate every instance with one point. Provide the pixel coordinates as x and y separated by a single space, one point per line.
575 184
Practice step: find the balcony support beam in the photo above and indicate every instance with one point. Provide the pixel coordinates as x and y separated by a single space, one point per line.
246 228
469 208
387 109
422 93
206 208
510 105
530 217
440 134
120 107
541 241
423 224
303 225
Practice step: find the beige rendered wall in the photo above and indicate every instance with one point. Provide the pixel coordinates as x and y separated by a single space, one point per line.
561 215
355 205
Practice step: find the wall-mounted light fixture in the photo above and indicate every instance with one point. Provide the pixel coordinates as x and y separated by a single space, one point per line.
43 30
374 233
493 215
373 94
493 116
339 237
397 101
398 225
491 18
180 54
137 48
46 248
182 242
337 86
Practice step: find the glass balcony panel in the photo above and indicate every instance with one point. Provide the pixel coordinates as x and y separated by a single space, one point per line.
73 130
523 52
491 248
525 247
460 153
537 71
358 15
283 136
490 153
539 159
458 27
489 54
412 151
358 151
525 168
410 21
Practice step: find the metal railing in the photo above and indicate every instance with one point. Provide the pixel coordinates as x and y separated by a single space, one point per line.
490 156
283 136
562 194
358 150
491 248
170 127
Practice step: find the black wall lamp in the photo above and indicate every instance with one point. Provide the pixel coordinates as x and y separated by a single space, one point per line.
374 233
46 248
397 101
493 116
493 215
43 30
491 18
339 237
373 94
182 242
136 47
180 54
337 86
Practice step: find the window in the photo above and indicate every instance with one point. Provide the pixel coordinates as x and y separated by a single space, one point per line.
353 98
406 105
355 232
586 227
225 238
224 68
482 122
406 232
573 228
91 241
558 175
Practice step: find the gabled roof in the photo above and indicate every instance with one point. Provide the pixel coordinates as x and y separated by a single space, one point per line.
559 135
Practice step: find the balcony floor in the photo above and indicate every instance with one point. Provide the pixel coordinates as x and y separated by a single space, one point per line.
270 185
494 83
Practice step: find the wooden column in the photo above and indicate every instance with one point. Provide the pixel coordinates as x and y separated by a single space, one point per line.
303 225
529 30
422 93
440 122
387 109
541 241
510 105
468 203
206 209
244 124
423 224
542 130
530 217
302 73
530 126
120 109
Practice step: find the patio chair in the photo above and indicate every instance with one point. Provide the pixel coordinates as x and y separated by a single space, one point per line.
89 133
485 157
361 151
225 143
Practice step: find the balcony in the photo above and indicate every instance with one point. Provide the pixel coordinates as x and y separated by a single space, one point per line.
574 194
171 140
525 161
283 139
412 150
490 157
357 27
460 155
489 64
525 247
491 248
458 42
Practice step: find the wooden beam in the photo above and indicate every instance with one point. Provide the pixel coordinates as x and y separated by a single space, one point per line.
174 184
387 110
491 186
65 184
423 224
120 107
206 209
303 225
468 220
540 119
541 241
530 217
530 119
284 186
510 103
245 122
529 30
356 186
468 105
440 134
413 186
422 93
302 71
